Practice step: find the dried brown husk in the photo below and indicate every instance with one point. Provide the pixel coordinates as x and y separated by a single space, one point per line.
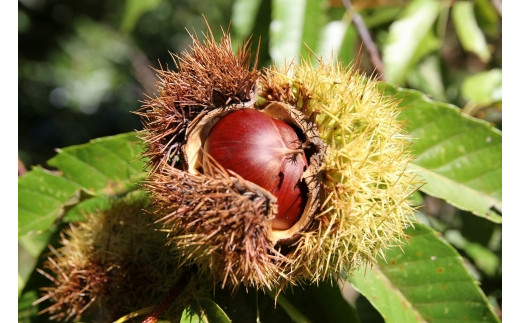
106 264
365 181
313 148
221 222
208 76
215 218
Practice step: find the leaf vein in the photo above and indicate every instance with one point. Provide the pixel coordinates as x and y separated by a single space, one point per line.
85 163
122 161
40 193
467 155
441 142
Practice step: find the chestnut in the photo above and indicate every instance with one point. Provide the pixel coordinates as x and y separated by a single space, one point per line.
265 151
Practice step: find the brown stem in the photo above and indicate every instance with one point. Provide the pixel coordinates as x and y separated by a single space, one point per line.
498 6
174 292
21 167
142 71
366 38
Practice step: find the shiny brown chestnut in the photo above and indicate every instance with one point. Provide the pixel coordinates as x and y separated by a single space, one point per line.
267 152
286 163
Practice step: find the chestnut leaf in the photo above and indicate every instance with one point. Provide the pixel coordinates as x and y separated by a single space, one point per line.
458 157
205 311
87 175
105 166
423 281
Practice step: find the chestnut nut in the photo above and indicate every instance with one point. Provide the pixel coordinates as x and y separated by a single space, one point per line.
267 152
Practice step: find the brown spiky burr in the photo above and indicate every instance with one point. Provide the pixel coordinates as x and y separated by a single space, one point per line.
277 176
207 77
109 261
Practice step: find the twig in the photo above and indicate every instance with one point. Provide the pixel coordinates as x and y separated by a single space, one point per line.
21 167
498 6
174 292
142 71
366 38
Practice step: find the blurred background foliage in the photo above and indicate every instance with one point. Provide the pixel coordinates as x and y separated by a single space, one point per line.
84 66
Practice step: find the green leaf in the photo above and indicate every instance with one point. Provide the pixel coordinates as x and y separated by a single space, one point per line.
250 306
26 311
294 313
483 88
286 30
348 51
458 157
427 77
323 303
108 166
468 31
484 259
134 9
310 303
488 18
243 16
46 196
332 38
380 15
314 22
29 249
405 38
42 196
205 311
430 43
94 204
424 281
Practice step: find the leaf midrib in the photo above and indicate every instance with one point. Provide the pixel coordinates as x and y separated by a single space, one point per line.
493 201
378 272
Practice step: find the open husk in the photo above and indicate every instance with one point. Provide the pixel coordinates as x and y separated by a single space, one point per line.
107 263
357 178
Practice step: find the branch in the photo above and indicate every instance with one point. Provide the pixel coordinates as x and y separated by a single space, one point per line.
366 38
21 167
498 6
174 292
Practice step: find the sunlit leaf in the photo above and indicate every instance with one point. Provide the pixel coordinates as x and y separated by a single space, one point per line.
427 77
323 303
487 17
243 16
425 281
380 15
29 249
42 196
458 157
294 25
206 311
332 38
405 37
250 306
134 9
484 87
349 46
428 45
484 259
109 165
314 22
106 166
468 31
286 30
